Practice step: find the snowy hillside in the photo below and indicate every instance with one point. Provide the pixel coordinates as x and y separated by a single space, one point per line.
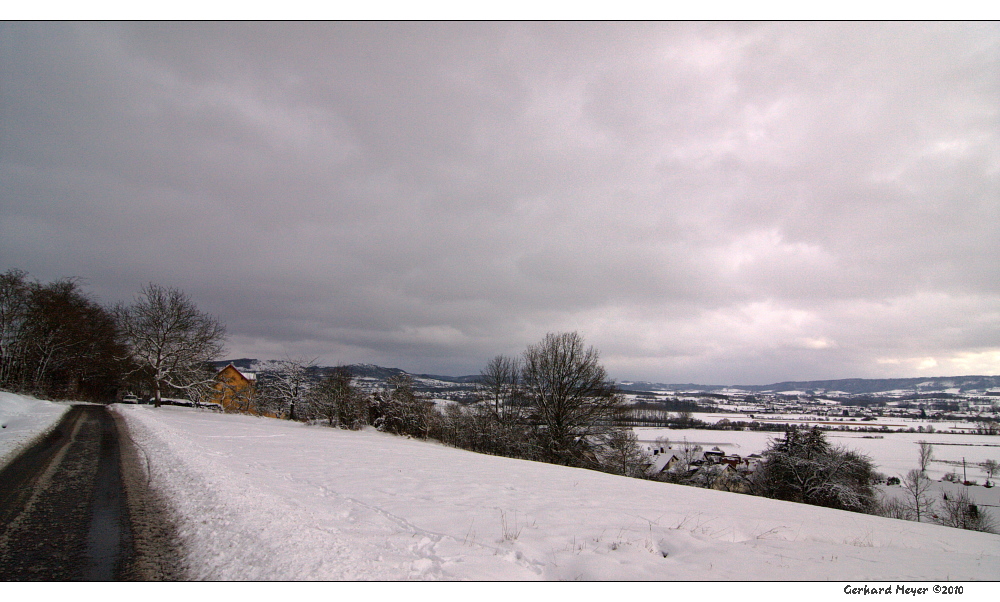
268 499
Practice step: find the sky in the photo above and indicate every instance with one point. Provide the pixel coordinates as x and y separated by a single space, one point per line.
717 203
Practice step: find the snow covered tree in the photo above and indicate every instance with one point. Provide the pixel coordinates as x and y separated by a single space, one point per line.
571 399
282 385
398 410
169 339
804 467
917 487
338 401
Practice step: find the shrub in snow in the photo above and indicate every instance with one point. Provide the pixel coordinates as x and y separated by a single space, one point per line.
959 511
476 428
804 467
399 411
895 508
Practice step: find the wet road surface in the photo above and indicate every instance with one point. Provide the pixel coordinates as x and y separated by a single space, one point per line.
64 515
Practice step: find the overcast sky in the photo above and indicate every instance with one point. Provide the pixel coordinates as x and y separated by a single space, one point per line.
714 203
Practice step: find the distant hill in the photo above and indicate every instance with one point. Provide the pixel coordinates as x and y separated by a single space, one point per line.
357 370
243 363
854 386
470 379
863 385
642 386
372 371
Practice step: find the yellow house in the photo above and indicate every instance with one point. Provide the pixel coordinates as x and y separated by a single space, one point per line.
234 390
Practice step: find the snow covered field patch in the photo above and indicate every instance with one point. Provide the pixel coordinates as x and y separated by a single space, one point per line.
269 499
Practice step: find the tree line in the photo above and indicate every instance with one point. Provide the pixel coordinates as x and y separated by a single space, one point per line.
553 403
57 342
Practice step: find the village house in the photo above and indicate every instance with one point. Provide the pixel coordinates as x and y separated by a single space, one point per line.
234 390
661 463
719 476
735 461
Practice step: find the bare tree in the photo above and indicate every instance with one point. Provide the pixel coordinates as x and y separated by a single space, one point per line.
918 499
959 511
926 456
895 508
55 341
570 396
14 322
501 391
623 455
338 401
990 467
169 339
499 419
684 420
689 454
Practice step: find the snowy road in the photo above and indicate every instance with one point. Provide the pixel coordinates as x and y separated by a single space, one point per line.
257 498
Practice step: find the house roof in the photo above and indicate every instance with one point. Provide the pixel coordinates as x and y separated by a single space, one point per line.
660 461
246 375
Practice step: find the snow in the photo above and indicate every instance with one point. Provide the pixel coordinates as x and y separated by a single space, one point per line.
24 419
894 454
804 420
264 499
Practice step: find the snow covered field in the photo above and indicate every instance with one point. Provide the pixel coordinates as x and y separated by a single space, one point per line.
23 419
893 453
838 422
269 499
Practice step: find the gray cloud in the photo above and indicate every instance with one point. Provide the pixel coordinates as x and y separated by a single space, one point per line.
704 202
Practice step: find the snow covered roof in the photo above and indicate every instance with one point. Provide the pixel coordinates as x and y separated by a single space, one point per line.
246 375
661 461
